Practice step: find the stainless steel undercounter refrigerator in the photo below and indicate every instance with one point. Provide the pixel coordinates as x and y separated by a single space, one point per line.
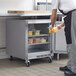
28 38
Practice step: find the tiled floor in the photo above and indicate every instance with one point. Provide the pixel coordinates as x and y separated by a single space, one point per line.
38 68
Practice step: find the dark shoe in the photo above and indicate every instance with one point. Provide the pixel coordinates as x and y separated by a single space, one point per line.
69 73
65 68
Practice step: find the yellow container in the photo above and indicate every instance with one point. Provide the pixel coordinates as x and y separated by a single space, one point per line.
53 30
30 33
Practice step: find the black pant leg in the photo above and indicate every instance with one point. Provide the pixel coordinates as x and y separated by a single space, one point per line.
67 21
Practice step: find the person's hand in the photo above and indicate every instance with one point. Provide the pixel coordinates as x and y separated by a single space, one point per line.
59 27
50 27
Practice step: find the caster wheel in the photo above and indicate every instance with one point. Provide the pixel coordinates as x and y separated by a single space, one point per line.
11 58
28 63
50 60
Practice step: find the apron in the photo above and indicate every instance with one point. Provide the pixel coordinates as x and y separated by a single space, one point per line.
67 22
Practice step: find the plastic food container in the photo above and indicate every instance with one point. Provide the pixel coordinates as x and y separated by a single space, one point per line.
54 30
42 40
30 41
30 33
36 40
37 32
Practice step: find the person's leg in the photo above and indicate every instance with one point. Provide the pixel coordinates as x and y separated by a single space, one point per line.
67 21
72 62
73 35
68 66
69 50
72 54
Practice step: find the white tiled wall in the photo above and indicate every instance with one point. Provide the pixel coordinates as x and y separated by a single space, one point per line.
6 5
3 54
2 38
15 5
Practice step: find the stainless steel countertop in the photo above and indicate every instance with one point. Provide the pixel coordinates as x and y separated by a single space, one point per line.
27 14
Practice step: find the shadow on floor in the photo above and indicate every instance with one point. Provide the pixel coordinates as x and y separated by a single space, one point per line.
6 63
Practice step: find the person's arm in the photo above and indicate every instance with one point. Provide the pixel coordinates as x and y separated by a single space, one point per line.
62 24
53 17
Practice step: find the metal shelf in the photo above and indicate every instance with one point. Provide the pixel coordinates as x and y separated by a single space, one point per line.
34 14
39 21
36 51
38 35
38 43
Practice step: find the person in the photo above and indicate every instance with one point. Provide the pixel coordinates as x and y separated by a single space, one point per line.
66 7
